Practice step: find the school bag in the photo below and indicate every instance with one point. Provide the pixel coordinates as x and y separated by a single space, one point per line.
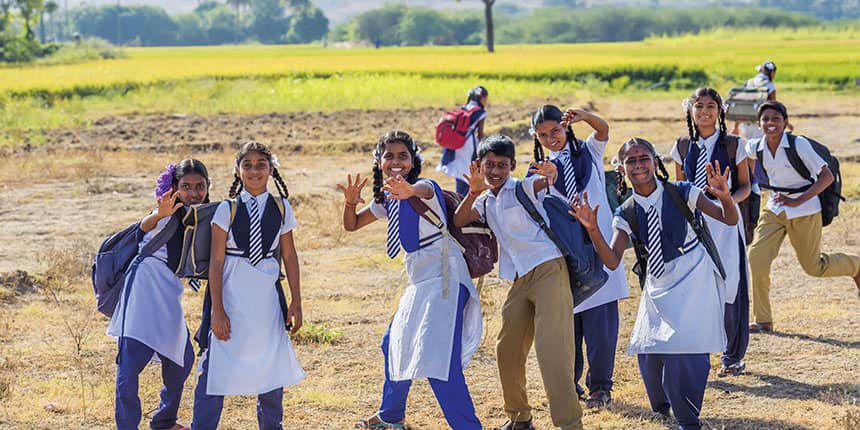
700 227
476 240
742 104
119 255
583 264
452 129
751 206
830 197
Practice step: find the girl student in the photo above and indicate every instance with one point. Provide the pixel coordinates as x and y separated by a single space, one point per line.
680 319
149 323
455 163
437 325
580 168
706 143
248 350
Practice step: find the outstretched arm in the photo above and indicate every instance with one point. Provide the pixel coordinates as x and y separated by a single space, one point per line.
587 216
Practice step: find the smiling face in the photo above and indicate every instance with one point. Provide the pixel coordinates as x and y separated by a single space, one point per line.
192 189
497 169
551 135
396 160
254 170
639 165
705 113
772 123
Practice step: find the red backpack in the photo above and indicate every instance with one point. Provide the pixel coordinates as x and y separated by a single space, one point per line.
453 128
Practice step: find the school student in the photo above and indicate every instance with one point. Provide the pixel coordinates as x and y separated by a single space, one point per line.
680 319
455 163
580 169
149 323
437 325
796 214
538 308
706 143
248 350
765 75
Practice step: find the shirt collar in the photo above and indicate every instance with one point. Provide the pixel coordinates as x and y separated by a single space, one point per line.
245 196
709 141
556 154
650 200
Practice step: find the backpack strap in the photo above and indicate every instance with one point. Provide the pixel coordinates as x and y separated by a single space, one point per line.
161 238
419 206
538 218
697 224
794 158
628 211
683 144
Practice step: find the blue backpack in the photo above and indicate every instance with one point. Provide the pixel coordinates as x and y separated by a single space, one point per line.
118 255
583 264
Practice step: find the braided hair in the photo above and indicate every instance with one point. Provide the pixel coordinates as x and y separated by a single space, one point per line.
264 150
552 113
691 126
190 166
662 174
394 136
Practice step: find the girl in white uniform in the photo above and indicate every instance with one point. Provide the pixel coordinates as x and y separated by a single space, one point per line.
708 142
437 326
680 318
149 323
580 169
249 350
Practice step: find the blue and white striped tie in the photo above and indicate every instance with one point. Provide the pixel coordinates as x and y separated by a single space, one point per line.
655 246
393 243
569 175
255 247
701 172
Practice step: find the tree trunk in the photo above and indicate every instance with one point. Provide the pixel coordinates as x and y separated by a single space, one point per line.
42 25
488 18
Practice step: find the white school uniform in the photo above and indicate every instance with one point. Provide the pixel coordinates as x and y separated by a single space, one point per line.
616 286
421 339
153 313
751 130
463 157
725 236
682 311
781 174
259 356
523 244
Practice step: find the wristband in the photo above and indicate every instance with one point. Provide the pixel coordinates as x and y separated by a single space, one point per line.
474 194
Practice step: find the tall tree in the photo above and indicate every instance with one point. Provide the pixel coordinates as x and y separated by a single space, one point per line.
29 10
237 4
488 21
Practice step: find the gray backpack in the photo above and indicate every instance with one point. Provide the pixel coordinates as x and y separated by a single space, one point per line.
197 239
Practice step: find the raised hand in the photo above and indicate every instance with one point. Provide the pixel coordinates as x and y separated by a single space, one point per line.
352 190
546 169
718 180
475 178
583 212
398 188
571 116
167 204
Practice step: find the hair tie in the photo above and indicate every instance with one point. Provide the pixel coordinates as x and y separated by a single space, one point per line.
686 104
275 162
165 180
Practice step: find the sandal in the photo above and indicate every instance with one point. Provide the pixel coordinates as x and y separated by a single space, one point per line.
732 369
598 399
378 424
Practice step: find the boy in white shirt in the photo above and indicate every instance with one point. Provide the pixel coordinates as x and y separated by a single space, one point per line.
539 304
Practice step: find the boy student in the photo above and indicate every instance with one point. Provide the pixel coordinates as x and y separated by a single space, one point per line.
538 306
797 214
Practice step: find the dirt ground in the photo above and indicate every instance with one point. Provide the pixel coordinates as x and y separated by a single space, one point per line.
58 201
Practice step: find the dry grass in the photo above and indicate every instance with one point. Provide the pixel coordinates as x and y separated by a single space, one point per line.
60 204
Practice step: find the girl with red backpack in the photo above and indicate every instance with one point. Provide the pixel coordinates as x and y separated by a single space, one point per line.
458 153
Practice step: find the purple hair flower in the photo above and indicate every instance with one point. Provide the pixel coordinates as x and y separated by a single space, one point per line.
165 181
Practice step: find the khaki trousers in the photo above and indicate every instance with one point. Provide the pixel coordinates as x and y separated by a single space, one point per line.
804 233
539 310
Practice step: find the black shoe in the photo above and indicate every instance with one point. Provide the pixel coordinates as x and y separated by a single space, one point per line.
518 425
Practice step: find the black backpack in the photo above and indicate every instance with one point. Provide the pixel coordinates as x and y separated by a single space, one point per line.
830 197
696 221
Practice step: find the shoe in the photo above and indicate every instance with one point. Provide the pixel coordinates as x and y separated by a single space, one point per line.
517 425
764 327
598 399
732 369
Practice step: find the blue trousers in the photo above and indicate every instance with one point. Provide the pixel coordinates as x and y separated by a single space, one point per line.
599 328
462 187
453 395
207 409
132 358
676 381
737 317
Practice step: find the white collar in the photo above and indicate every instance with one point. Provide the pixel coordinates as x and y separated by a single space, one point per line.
762 143
651 200
709 141
556 154
245 196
